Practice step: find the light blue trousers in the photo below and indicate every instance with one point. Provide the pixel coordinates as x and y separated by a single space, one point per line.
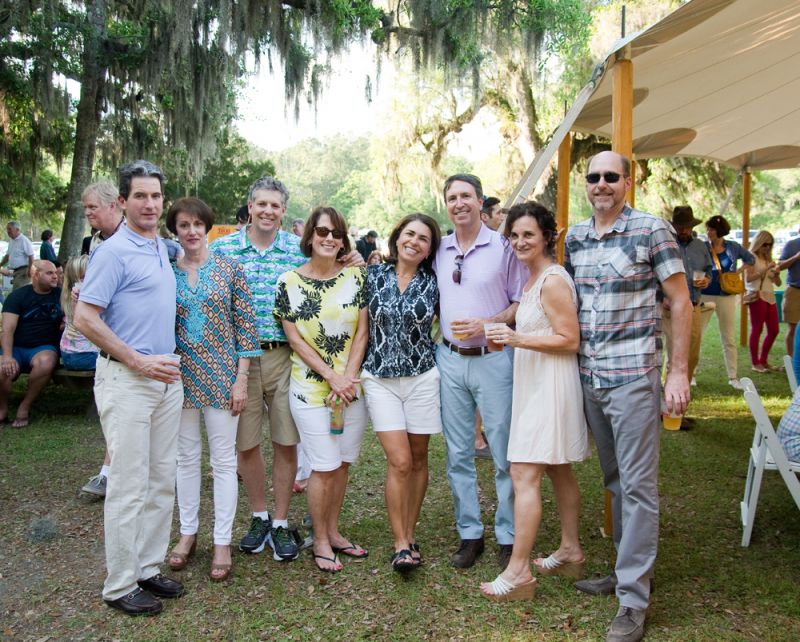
485 381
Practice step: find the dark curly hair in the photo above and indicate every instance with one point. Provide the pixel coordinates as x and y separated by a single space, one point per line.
544 219
719 224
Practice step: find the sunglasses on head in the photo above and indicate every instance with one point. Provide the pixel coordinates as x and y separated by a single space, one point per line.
323 232
610 177
457 272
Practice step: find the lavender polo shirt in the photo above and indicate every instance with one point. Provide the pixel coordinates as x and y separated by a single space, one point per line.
130 277
492 278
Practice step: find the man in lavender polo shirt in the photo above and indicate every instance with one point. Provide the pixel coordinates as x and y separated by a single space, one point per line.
126 307
480 281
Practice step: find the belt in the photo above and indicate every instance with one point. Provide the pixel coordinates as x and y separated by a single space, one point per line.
21 267
272 345
105 355
477 351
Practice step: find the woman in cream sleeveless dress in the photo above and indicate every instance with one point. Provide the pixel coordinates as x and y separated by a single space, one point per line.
548 429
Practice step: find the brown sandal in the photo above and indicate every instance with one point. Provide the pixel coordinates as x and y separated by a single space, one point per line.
178 561
226 568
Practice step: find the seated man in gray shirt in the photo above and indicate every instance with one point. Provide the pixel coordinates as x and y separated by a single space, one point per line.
126 307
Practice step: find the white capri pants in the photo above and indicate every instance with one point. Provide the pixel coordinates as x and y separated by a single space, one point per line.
327 452
404 403
221 430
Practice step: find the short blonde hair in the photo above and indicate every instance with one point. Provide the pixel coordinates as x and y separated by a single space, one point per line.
105 190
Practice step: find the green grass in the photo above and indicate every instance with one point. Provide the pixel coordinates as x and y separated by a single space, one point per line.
708 587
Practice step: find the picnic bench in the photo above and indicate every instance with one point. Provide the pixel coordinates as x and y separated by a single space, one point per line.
77 380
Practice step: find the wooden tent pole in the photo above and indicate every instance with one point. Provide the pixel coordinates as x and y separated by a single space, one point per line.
562 193
746 191
622 143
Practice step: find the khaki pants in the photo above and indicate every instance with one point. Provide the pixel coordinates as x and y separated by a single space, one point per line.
727 307
695 338
19 278
140 419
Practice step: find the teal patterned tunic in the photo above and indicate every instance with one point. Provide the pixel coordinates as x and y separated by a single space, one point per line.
214 327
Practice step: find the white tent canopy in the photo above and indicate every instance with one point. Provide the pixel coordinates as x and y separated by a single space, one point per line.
716 79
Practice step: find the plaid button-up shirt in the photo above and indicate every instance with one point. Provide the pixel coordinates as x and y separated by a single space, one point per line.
618 277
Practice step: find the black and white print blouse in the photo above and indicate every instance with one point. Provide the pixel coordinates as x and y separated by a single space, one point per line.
400 343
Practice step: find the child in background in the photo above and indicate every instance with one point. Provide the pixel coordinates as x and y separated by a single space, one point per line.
77 352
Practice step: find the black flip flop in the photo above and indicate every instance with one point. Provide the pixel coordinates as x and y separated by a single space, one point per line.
403 562
351 551
327 559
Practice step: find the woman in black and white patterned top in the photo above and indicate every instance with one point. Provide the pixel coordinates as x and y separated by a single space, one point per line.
399 375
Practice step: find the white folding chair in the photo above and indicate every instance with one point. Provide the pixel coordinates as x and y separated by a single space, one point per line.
788 365
766 453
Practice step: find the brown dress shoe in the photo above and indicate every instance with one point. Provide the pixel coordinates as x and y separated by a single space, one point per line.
137 602
504 555
162 586
467 553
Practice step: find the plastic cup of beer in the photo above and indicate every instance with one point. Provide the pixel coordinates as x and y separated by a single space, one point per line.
492 345
670 420
697 275
175 359
459 315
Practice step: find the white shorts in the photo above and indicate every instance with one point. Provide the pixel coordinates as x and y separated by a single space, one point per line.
404 403
324 451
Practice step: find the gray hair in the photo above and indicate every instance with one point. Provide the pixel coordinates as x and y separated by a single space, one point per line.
271 184
138 168
105 190
465 178
13 225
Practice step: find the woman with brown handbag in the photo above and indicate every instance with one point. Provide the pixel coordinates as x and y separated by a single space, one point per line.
725 287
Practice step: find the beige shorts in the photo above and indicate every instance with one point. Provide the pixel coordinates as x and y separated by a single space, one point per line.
791 305
268 393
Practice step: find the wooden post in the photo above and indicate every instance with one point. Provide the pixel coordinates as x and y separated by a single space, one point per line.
746 186
622 143
562 193
622 111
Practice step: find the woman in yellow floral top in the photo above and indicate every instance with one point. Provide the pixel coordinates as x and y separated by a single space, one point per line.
322 306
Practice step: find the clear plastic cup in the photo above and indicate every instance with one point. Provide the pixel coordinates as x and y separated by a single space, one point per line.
491 345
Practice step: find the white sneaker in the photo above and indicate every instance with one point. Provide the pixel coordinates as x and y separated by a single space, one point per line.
734 383
693 382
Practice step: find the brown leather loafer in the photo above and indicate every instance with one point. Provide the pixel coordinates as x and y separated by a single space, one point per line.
467 553
504 555
137 602
162 586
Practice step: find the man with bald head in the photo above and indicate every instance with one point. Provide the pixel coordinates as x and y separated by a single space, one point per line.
625 262
32 320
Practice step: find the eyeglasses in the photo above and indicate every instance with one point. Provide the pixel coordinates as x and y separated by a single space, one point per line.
610 177
323 232
457 271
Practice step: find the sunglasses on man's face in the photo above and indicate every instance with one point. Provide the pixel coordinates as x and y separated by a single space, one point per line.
323 232
610 177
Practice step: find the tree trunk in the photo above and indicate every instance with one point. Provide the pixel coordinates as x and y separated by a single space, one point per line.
86 127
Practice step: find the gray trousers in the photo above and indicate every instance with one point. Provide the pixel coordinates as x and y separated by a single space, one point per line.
626 423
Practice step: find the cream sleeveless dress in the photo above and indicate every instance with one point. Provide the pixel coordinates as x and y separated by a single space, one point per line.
547 421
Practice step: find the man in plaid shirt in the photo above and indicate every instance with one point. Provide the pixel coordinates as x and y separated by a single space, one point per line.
624 262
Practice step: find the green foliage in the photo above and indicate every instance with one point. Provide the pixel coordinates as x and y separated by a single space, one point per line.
226 179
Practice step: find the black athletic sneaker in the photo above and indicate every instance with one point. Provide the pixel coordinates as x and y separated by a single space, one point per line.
284 545
256 537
